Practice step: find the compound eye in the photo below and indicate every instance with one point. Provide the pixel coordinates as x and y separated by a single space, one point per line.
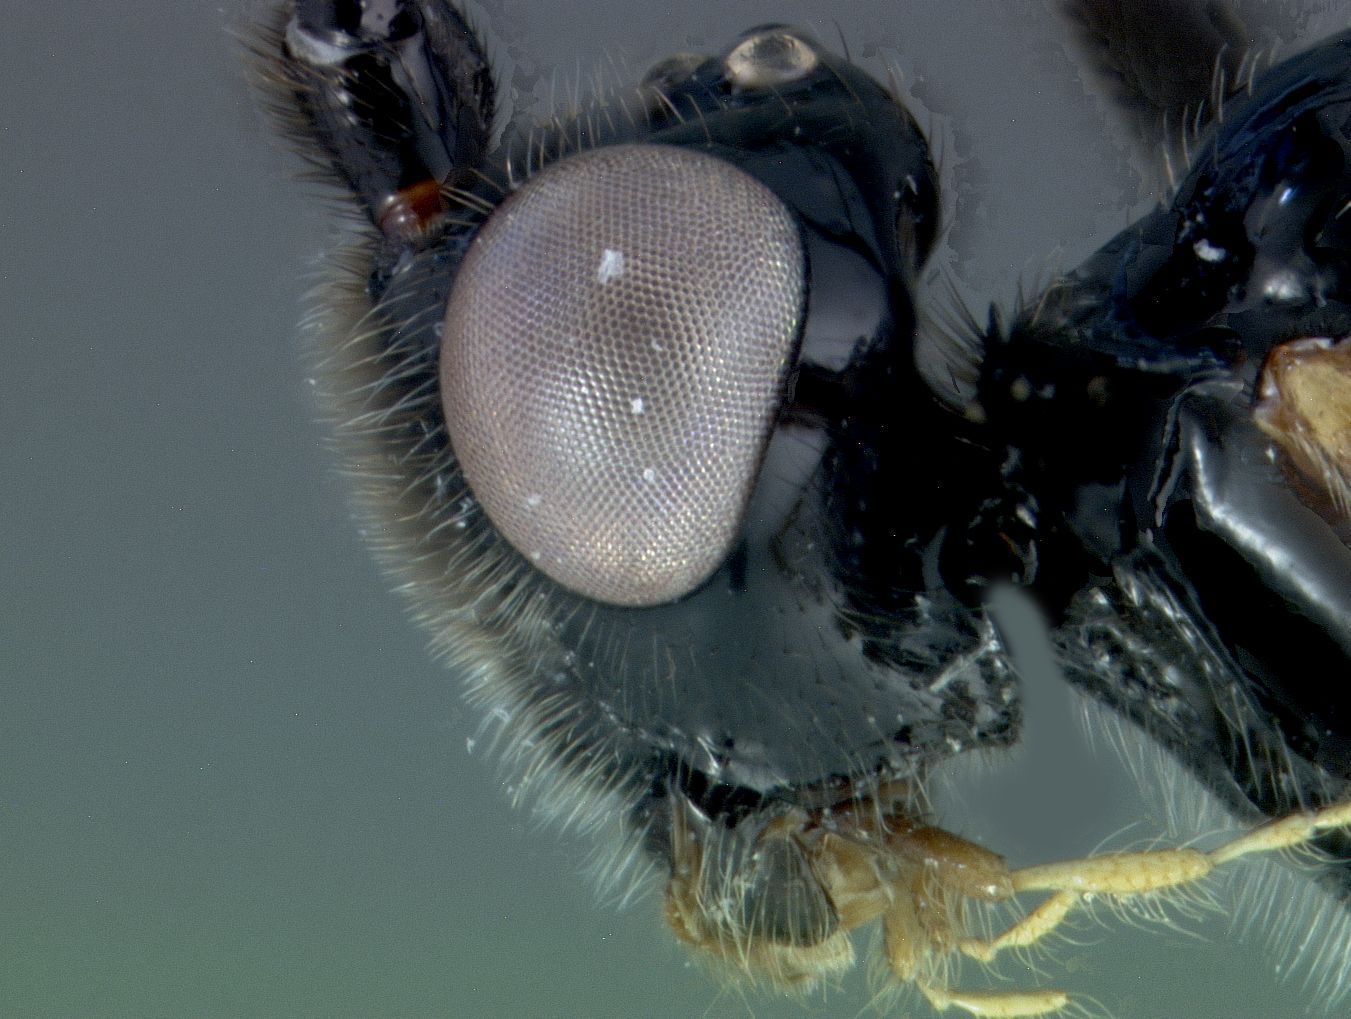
770 58
614 356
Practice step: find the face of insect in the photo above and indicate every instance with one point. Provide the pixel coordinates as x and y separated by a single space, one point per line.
659 469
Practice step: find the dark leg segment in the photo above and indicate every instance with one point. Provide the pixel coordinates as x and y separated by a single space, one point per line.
398 96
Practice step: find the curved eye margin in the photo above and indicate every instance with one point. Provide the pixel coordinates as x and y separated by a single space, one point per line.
714 772
407 286
775 134
833 146
889 347
611 410
841 116
586 755
373 334
376 385
853 120
554 740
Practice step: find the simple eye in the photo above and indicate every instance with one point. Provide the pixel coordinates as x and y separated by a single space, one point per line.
613 361
769 58
744 478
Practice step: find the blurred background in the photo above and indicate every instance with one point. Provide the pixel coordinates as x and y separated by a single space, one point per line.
231 780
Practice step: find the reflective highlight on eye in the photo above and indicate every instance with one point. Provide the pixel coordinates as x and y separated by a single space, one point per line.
706 483
614 353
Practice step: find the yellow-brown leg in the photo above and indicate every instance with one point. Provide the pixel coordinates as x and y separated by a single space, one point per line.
1125 875
997 1004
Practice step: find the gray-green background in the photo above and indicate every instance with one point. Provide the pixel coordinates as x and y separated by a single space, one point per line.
231 781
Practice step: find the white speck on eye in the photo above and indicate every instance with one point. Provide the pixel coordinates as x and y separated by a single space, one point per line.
533 500
649 475
469 744
611 265
636 405
1208 252
657 347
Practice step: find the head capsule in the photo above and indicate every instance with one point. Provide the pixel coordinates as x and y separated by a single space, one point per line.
681 476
